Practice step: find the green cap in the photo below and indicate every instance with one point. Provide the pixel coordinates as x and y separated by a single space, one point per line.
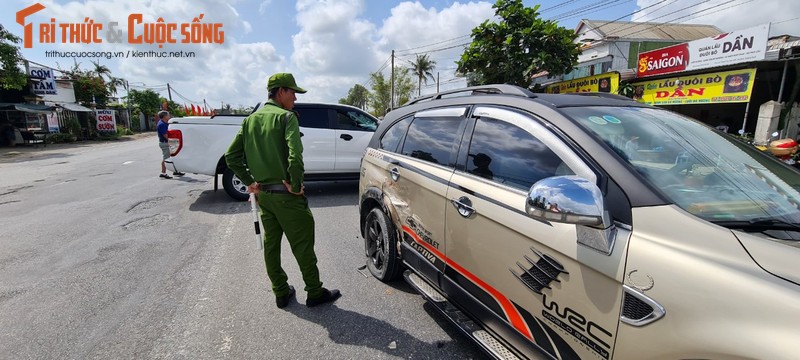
284 80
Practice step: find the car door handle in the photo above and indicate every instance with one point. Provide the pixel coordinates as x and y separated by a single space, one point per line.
346 137
464 206
395 173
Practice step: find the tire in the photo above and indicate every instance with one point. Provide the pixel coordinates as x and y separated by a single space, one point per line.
380 245
234 186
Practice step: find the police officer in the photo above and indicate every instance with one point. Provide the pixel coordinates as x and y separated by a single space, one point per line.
270 141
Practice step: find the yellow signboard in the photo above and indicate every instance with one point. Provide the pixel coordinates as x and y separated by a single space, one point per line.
720 87
608 82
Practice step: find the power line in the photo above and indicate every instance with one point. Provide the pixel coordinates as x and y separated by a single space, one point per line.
624 16
633 25
184 98
783 21
694 13
436 43
557 6
585 9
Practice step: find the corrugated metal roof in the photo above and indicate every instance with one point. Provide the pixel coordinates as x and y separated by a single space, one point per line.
651 30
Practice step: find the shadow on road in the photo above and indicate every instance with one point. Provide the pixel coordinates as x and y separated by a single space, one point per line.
320 194
351 328
332 193
10 157
216 202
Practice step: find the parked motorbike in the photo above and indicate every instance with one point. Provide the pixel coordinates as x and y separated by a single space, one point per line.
783 149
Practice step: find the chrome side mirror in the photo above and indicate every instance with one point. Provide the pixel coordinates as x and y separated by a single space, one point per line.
574 200
567 199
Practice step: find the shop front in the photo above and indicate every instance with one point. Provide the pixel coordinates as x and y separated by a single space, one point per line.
714 79
22 123
719 99
606 82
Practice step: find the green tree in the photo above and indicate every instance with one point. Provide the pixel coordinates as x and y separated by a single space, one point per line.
422 67
243 110
380 99
358 96
90 88
104 73
519 46
175 109
145 101
10 58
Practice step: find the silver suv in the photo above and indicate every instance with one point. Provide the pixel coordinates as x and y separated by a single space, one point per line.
585 226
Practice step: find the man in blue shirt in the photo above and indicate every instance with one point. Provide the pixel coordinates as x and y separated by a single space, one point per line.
163 143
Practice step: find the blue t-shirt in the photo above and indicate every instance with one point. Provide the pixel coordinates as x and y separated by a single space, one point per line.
162 131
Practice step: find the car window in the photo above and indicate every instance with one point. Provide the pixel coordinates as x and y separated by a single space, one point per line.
432 139
507 154
354 120
394 134
313 117
703 171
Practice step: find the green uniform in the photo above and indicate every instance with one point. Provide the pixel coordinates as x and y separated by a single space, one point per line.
270 141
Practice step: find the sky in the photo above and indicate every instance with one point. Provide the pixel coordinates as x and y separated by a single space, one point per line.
329 45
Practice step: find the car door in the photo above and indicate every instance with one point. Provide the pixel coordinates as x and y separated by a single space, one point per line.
319 147
354 129
417 185
537 284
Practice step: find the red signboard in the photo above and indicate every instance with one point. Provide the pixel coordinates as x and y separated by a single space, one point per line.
663 61
735 47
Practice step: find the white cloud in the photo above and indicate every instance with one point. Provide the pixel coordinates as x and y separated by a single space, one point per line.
337 48
728 16
411 25
230 72
262 8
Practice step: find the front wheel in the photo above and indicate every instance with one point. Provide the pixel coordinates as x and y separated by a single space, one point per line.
380 243
234 186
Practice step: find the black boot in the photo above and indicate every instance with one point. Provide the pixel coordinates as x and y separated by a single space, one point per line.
282 301
327 296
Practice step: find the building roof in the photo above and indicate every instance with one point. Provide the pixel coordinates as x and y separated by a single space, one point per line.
647 30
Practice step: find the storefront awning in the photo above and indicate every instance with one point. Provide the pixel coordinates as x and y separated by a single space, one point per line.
31 108
75 107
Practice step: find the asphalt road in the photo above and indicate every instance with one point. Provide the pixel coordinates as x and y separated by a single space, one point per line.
99 259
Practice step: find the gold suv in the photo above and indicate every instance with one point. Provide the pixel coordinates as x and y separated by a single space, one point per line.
585 226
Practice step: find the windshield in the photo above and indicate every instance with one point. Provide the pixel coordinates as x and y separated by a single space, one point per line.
706 173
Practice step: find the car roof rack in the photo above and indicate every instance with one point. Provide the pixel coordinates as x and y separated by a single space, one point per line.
505 89
602 95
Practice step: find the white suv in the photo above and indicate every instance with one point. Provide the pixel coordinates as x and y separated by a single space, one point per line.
334 139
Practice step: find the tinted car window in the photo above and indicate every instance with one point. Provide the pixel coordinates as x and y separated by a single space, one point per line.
394 134
354 120
313 117
507 154
432 139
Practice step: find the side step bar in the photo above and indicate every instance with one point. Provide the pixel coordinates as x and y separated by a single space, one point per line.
488 343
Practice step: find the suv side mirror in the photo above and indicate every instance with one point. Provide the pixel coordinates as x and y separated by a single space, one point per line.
567 199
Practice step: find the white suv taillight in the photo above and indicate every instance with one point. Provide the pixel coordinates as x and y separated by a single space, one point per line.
175 138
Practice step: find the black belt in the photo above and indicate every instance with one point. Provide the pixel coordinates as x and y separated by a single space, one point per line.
274 188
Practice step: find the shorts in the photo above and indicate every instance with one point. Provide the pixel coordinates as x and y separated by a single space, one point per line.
164 149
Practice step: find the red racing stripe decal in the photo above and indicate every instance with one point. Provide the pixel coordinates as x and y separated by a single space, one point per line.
511 312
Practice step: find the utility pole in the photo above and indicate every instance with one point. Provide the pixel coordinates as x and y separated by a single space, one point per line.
127 103
169 92
391 101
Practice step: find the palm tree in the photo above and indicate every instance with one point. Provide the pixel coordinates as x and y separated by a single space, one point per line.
101 70
113 83
422 67
104 73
